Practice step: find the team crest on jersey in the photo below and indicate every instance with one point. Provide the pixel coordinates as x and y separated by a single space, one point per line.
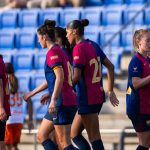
135 69
54 57
76 57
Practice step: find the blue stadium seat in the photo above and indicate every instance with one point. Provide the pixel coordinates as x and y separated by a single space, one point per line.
37 79
38 109
93 14
7 40
135 1
114 54
147 18
26 39
51 14
92 33
113 2
93 2
24 81
23 61
28 18
126 40
9 19
112 15
107 33
70 14
130 12
39 60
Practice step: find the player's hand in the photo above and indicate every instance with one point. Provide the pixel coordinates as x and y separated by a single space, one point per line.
45 98
113 99
3 115
27 96
52 107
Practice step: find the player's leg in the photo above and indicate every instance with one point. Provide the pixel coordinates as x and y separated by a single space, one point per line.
43 133
76 133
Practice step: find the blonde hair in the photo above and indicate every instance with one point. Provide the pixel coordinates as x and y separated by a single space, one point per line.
138 34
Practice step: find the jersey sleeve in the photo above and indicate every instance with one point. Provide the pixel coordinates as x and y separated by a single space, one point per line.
78 57
54 59
135 68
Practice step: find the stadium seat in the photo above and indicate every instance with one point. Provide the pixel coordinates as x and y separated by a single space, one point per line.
23 61
28 18
108 33
24 81
7 40
93 14
39 60
7 56
39 110
147 18
26 39
113 2
93 2
9 19
69 14
112 15
130 12
126 40
51 14
92 33
37 79
135 1
114 54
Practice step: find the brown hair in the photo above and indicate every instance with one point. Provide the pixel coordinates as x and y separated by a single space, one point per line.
138 34
12 79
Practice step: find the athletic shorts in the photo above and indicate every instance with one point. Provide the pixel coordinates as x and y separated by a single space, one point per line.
141 122
2 130
89 109
13 133
64 115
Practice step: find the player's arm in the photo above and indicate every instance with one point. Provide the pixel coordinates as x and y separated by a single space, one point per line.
110 74
76 75
2 110
59 74
140 82
38 89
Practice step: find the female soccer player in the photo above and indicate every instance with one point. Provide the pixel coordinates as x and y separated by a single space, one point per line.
15 122
87 77
4 104
138 90
62 107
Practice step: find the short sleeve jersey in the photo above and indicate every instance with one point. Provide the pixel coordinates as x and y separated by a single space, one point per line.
88 88
4 78
138 100
16 107
57 58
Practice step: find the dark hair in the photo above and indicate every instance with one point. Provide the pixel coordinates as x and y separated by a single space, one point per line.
47 29
13 79
79 25
1 56
61 33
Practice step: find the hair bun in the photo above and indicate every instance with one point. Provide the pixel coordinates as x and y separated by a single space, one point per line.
84 22
50 23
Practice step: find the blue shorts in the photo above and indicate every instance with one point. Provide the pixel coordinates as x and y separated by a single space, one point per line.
89 109
2 130
64 115
141 122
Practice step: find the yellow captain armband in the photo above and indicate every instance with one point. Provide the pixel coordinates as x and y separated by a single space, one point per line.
57 67
129 90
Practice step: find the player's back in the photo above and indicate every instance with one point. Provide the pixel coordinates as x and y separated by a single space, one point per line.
85 57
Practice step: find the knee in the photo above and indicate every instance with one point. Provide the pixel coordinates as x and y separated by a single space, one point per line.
40 137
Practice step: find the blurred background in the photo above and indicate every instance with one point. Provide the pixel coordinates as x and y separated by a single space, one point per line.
112 24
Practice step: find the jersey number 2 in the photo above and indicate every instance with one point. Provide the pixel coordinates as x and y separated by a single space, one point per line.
96 76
